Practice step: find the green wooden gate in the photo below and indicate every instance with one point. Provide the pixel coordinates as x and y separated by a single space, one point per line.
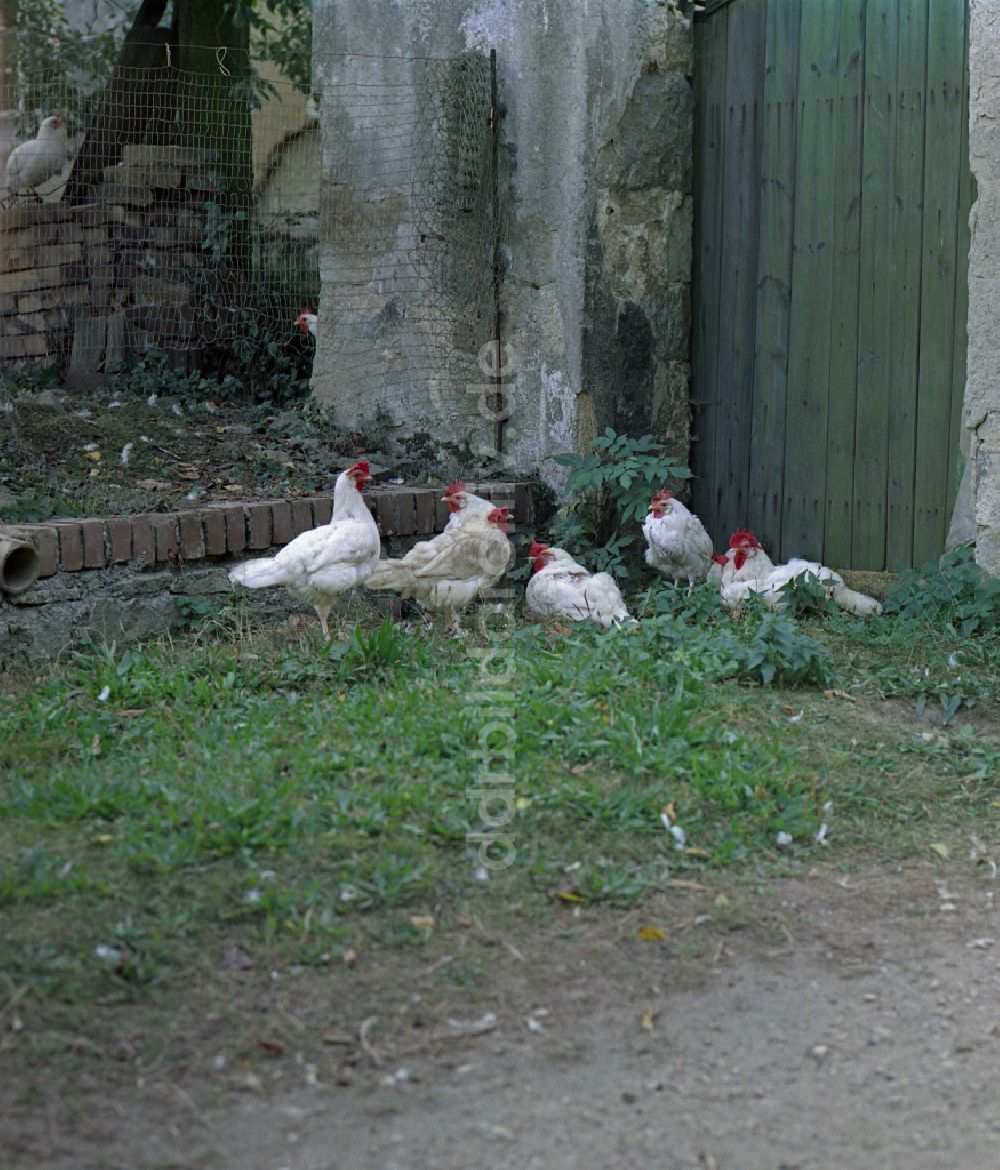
832 196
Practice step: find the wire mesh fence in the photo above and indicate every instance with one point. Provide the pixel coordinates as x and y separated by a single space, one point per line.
183 212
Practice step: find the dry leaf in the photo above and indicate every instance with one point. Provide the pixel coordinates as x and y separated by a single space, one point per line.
423 922
941 850
649 1017
788 708
95 456
350 957
569 896
651 933
274 1047
234 487
102 839
131 712
835 693
684 884
696 851
95 746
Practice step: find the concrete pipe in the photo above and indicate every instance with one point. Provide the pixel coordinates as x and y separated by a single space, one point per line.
19 564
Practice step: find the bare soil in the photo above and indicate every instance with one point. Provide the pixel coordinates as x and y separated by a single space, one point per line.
830 1021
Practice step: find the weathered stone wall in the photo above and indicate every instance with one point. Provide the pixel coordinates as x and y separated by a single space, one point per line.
981 415
596 190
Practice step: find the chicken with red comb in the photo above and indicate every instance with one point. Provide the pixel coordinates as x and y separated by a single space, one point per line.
319 565
562 588
747 569
677 544
446 574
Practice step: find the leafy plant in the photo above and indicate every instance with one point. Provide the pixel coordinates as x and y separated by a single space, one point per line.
375 651
780 654
955 594
609 491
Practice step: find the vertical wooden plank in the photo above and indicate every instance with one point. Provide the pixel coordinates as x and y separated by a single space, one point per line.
942 168
902 280
774 270
842 403
966 195
710 80
804 506
740 235
872 416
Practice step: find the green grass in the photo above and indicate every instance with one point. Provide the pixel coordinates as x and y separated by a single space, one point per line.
289 795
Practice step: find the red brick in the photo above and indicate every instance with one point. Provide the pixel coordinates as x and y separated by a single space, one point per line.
281 522
390 607
214 520
143 541
424 506
322 507
406 512
386 513
167 539
524 504
95 553
70 545
259 525
192 535
120 532
302 517
236 528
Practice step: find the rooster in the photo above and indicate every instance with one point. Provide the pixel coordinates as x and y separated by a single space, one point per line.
306 322
35 162
747 569
559 587
319 565
447 573
677 543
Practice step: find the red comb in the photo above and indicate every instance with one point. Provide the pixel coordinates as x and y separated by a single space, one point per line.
743 538
719 559
362 465
454 488
537 549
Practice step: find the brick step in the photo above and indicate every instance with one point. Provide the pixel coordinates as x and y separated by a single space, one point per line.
225 528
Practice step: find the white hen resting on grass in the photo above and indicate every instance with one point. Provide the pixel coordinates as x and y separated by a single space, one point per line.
747 569
319 565
560 587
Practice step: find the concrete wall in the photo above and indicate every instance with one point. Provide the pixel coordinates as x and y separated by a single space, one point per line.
596 189
981 416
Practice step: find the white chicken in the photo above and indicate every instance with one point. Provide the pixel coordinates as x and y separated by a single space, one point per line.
560 587
319 565
677 543
306 322
9 122
447 573
747 569
35 162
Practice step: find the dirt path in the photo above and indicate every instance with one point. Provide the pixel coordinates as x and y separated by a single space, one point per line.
826 1023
